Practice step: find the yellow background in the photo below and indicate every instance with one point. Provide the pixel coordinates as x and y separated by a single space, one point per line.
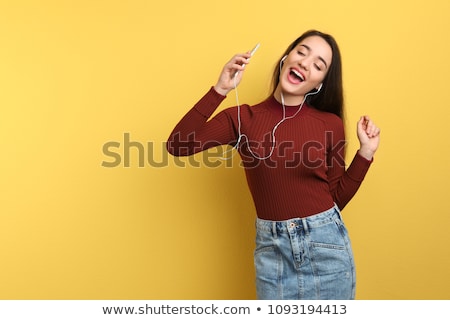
75 75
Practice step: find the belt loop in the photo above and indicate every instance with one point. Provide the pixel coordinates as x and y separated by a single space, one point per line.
305 225
336 208
274 229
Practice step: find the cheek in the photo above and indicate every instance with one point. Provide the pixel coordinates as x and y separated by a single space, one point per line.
318 76
317 79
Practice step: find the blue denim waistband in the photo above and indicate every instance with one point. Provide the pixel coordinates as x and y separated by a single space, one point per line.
296 223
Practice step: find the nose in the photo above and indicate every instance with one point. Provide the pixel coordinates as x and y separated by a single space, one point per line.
305 63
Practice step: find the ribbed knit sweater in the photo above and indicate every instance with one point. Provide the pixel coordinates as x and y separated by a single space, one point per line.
297 171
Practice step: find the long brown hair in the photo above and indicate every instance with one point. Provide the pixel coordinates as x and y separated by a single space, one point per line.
331 96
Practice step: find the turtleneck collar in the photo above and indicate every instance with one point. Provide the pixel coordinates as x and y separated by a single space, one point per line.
275 106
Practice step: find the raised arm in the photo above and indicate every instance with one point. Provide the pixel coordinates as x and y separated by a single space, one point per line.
345 183
195 133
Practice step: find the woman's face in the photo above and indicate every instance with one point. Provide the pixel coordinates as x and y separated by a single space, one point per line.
306 66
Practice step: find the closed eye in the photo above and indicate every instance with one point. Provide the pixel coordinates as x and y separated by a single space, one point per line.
305 47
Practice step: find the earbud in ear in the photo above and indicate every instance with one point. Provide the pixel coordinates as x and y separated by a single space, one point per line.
320 87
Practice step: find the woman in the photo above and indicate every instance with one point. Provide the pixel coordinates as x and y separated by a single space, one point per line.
292 146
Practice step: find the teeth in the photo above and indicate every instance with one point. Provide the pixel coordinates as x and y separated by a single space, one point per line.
298 74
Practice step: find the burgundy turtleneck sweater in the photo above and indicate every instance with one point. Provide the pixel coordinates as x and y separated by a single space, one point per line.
304 174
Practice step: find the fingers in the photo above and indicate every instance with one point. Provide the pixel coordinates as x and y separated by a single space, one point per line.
238 63
231 74
366 125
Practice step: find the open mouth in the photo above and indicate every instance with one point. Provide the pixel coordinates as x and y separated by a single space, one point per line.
296 76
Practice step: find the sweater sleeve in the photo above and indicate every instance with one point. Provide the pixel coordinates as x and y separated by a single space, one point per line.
344 183
194 133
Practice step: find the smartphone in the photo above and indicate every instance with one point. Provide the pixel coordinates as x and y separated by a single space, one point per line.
254 49
251 55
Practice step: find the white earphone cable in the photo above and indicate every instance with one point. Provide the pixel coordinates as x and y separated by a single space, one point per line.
273 139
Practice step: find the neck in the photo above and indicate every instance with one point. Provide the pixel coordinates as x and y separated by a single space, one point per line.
289 99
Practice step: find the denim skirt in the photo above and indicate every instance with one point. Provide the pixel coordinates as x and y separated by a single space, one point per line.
304 258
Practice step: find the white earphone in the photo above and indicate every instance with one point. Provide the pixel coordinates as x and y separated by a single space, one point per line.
320 87
284 118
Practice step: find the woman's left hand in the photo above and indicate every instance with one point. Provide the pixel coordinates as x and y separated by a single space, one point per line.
369 137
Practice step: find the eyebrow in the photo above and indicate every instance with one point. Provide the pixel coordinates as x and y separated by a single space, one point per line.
320 58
